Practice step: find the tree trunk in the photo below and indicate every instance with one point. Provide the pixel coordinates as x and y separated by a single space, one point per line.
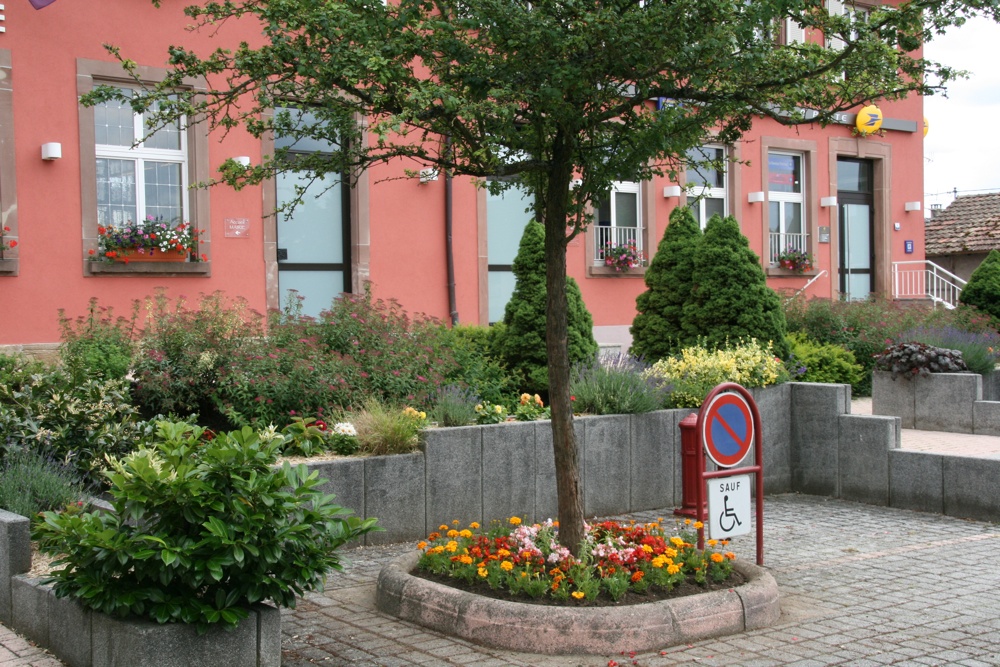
568 489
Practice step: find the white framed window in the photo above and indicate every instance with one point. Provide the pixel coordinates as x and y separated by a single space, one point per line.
618 219
707 182
841 8
794 33
786 203
138 176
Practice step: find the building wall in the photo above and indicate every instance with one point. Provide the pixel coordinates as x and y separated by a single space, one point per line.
399 233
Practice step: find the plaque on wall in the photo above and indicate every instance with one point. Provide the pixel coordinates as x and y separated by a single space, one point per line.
824 234
237 228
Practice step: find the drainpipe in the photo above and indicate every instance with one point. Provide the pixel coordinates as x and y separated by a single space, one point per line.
449 240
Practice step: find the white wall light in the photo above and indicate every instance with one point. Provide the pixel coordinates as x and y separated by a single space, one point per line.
755 197
672 191
912 206
242 160
827 202
51 151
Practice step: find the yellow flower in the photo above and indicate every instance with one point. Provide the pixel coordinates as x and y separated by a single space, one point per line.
483 572
443 527
474 525
578 594
687 522
454 522
673 569
452 533
498 409
660 561
423 415
479 407
712 543
503 553
648 549
452 546
676 541
717 558
515 521
506 566
465 560
465 533
698 525
525 398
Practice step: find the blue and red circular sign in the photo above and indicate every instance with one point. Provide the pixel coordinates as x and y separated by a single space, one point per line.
727 429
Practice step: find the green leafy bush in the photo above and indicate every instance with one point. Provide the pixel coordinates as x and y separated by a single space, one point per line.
983 288
475 365
183 350
616 384
75 423
97 346
697 370
824 362
199 531
522 343
980 350
30 483
658 329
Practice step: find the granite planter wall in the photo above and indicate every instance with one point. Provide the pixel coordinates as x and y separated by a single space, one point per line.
951 402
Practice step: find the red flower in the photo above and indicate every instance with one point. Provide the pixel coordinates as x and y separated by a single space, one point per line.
90 252
321 425
13 244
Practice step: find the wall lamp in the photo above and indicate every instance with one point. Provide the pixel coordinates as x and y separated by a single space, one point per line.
827 202
51 151
755 197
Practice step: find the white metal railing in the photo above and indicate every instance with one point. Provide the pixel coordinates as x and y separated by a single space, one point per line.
781 242
616 236
923 279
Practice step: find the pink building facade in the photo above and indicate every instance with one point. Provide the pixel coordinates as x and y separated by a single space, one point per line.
66 170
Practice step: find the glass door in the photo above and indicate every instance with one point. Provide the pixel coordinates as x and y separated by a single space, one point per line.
857 239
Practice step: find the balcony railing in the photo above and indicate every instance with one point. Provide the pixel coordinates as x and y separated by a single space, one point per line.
616 236
783 242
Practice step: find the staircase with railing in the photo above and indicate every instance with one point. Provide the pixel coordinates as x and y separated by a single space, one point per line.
923 279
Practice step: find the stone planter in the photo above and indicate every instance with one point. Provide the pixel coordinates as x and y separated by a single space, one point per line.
151 255
571 630
935 402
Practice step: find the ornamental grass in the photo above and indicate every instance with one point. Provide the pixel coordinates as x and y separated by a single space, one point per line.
526 562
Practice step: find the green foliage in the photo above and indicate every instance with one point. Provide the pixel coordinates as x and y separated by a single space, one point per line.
490 413
730 298
383 429
697 370
184 350
980 350
30 483
909 359
454 406
74 423
658 329
522 343
199 531
475 366
824 362
983 288
531 408
97 346
864 328
614 385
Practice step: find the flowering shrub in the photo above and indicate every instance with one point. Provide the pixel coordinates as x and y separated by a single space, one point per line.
622 257
455 406
343 438
697 370
530 408
616 384
139 238
6 244
911 359
980 350
795 260
489 413
616 559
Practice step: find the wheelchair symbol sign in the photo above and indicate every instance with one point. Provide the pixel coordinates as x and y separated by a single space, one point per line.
728 506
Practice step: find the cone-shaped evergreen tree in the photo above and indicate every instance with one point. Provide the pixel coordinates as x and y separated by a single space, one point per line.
983 290
522 342
657 331
730 298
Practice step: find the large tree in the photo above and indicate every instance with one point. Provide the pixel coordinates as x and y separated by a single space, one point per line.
550 90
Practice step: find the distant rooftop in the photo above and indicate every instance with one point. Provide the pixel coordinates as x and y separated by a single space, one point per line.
970 224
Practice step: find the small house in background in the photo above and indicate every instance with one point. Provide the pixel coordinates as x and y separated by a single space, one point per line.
959 237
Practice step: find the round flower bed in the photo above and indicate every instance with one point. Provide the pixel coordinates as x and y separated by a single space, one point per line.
585 611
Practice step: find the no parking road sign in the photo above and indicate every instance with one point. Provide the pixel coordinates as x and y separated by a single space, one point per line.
727 429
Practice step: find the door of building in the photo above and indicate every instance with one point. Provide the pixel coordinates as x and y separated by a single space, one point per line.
857 240
506 218
314 258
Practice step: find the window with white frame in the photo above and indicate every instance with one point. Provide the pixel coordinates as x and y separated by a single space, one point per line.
138 176
618 220
707 182
786 203
794 33
849 9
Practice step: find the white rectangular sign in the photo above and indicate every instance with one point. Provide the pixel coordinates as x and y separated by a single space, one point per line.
728 506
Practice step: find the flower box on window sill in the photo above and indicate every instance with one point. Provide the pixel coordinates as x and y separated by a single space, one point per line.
8 266
160 268
779 272
607 271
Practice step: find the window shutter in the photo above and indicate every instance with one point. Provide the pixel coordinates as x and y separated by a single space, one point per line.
836 8
794 33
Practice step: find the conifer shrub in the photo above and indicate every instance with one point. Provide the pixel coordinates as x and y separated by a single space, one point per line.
658 328
522 345
730 299
983 289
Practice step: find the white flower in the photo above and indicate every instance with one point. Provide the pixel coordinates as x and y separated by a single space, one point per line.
345 428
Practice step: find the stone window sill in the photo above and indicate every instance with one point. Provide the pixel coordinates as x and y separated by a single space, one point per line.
150 268
8 266
608 272
778 272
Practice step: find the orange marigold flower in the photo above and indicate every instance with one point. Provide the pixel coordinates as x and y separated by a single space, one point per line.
515 521
474 525
730 555
452 533
433 536
717 558
578 594
555 585
698 525
712 543
465 560
483 572
421 545
465 533
673 568
443 527
637 576
454 522
687 522
506 566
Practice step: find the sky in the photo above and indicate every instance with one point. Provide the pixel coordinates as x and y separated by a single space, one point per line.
962 147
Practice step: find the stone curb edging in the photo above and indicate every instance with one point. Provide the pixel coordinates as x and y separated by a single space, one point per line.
565 631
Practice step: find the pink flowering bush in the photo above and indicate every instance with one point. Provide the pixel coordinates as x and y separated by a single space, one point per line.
622 257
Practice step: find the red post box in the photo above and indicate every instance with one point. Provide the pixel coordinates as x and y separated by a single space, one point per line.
690 475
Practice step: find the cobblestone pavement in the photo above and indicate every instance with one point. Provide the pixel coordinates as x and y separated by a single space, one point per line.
955 444
860 585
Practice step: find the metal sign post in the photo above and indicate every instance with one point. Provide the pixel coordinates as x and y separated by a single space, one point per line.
729 427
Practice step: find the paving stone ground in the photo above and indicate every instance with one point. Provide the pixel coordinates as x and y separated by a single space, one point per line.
860 586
